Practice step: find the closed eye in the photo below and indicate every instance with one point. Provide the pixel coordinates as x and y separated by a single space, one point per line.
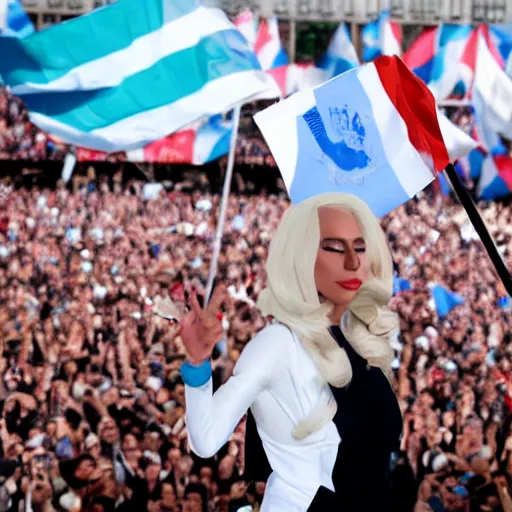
342 251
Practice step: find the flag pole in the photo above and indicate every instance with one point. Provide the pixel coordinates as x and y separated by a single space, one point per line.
480 227
217 244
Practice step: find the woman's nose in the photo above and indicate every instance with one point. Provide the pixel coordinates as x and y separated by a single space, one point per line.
351 260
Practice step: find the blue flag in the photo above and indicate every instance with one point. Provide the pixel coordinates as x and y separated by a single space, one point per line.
400 284
504 302
445 300
17 23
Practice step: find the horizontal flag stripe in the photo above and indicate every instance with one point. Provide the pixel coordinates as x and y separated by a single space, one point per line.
144 52
144 127
52 52
152 88
410 170
417 108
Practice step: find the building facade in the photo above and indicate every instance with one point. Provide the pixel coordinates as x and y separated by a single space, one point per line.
418 12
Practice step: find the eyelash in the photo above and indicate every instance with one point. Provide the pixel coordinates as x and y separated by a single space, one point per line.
330 249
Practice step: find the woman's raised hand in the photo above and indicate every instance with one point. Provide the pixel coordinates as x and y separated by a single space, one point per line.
201 329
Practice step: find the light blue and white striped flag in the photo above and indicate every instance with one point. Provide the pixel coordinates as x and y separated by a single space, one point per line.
132 72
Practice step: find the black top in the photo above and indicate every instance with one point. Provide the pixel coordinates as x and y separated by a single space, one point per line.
369 422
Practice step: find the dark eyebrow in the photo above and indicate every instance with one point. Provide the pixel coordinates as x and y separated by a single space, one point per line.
359 240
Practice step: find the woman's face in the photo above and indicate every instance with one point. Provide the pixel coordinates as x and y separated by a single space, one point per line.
341 263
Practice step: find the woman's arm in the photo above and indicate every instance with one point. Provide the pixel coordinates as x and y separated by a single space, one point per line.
212 419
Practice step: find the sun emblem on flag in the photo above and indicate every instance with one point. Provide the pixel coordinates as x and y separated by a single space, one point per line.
348 159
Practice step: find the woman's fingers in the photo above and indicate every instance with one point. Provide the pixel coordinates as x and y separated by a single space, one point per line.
195 306
217 299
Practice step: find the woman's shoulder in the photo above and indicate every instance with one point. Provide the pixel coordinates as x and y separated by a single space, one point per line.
272 342
273 337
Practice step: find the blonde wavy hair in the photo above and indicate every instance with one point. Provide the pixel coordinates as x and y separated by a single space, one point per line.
291 298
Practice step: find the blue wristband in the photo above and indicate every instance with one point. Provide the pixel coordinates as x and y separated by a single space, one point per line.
196 376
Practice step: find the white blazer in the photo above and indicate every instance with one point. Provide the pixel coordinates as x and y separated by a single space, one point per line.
278 380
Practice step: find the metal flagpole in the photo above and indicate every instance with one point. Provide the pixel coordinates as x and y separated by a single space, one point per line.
480 227
217 244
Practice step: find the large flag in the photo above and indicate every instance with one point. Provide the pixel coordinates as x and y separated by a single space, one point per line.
372 132
14 21
381 37
130 73
340 55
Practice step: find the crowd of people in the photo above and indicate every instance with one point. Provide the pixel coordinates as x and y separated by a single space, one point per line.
19 138
91 399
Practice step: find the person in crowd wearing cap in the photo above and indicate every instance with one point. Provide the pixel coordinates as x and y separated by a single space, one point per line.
317 382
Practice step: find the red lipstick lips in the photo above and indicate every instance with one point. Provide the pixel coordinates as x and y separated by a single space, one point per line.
351 284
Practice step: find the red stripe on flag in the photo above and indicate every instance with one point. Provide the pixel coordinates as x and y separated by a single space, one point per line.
468 56
263 36
396 30
422 50
90 155
280 75
417 107
470 52
504 166
177 148
484 29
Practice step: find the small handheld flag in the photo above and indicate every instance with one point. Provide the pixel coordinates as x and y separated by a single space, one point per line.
445 300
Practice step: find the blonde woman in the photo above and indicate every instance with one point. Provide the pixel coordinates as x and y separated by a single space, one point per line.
317 381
